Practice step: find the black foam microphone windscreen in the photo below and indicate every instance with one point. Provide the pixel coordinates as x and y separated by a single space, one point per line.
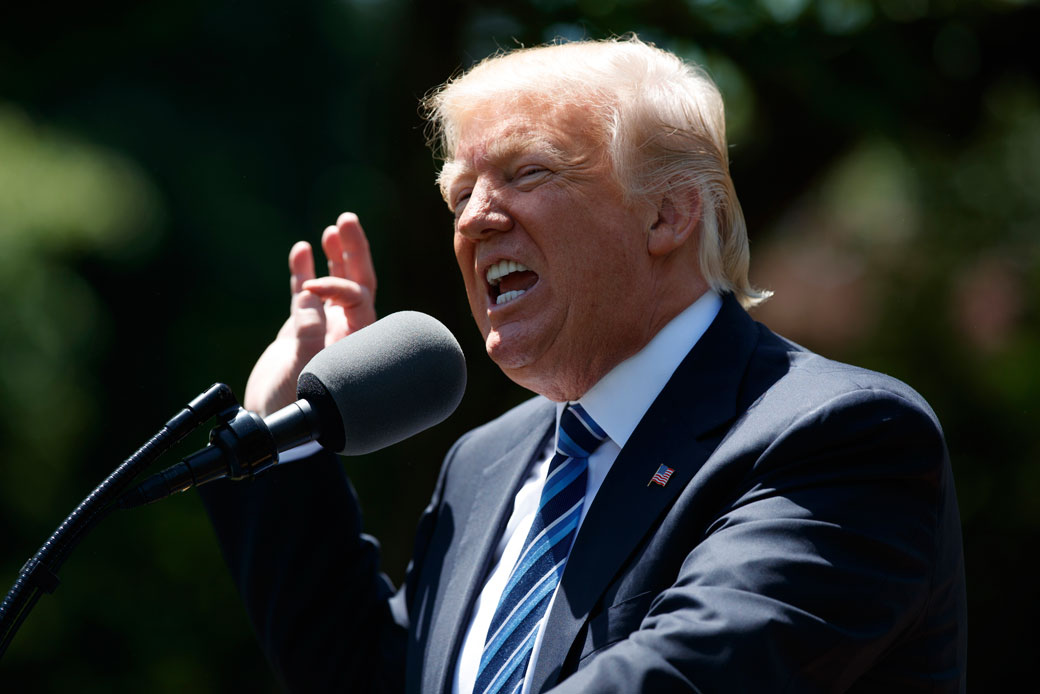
384 383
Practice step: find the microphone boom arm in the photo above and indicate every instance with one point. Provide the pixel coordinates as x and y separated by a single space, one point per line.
39 574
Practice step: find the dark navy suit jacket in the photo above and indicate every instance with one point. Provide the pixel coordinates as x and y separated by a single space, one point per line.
808 541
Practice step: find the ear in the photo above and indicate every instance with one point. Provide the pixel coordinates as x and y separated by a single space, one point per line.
678 216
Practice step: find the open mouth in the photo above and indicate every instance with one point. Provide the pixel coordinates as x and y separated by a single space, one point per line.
507 280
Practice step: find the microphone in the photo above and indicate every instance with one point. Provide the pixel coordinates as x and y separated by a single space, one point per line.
376 387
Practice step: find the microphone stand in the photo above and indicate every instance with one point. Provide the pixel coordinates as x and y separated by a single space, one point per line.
39 574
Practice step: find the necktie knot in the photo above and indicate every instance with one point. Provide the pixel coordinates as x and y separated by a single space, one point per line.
579 435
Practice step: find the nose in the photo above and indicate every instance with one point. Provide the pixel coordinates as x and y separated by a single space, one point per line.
483 212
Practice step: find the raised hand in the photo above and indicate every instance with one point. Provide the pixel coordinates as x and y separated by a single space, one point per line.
322 311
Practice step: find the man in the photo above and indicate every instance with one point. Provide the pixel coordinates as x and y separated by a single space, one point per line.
691 503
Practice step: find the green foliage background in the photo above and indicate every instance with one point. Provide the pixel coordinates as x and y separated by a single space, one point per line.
158 158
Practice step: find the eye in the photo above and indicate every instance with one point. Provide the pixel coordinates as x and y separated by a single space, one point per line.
459 202
528 171
527 177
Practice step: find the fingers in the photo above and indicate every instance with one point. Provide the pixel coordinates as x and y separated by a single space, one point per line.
349 305
346 247
308 318
306 313
301 266
346 293
328 308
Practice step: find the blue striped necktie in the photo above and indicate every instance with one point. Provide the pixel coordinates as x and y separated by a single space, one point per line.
533 581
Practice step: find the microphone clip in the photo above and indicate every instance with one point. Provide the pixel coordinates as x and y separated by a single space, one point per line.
238 448
246 443
242 445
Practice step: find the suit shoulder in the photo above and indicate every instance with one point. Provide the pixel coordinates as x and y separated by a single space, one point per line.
785 381
804 381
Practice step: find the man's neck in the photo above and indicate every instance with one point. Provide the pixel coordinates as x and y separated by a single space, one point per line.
619 400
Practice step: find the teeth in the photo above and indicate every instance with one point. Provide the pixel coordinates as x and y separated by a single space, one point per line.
508 296
503 268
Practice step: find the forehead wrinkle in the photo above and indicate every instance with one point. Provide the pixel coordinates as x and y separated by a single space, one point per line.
511 145
502 149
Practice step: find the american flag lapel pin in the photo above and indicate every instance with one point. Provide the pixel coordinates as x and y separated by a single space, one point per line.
661 476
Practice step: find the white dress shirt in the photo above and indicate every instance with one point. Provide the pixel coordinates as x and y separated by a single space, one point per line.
617 403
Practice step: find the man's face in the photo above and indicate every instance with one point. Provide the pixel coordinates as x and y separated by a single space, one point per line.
554 260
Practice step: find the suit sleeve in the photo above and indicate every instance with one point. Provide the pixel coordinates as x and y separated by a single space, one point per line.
326 617
836 543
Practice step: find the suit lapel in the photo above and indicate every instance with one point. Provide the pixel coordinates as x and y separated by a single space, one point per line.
676 431
489 498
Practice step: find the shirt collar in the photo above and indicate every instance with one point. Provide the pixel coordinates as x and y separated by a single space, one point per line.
620 399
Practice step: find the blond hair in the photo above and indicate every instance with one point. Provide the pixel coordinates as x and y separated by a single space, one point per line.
661 119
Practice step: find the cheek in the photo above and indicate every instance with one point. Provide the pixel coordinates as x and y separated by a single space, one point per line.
458 244
464 257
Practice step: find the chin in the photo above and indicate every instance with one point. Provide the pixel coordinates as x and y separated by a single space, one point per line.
507 355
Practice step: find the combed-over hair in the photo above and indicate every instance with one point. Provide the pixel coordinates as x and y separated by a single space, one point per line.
662 121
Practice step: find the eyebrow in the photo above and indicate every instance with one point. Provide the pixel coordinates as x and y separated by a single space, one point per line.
500 150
